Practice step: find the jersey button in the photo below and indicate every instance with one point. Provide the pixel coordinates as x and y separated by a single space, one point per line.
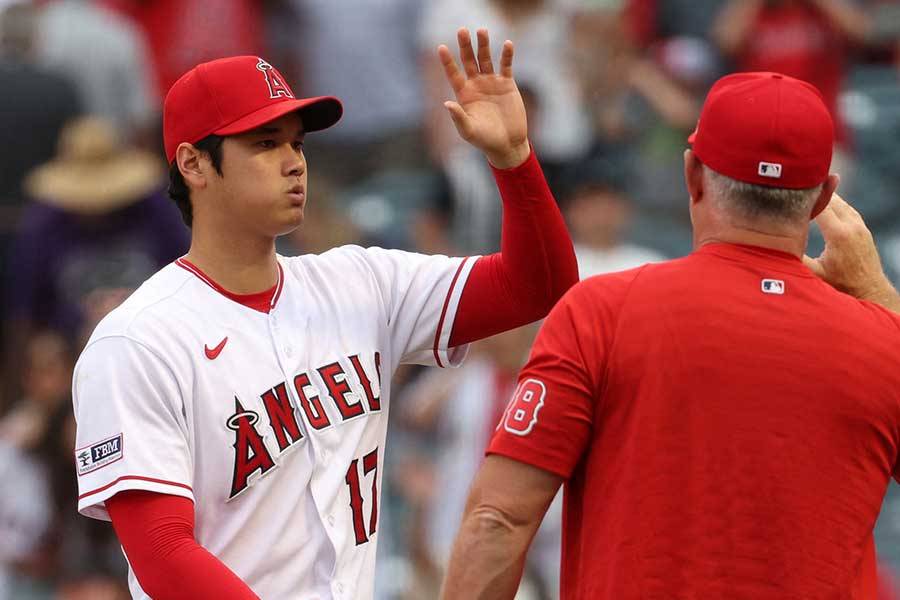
340 588
289 350
331 520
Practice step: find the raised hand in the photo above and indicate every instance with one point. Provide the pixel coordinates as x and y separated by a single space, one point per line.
488 112
850 261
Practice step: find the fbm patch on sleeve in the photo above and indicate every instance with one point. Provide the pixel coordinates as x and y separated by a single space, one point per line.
96 456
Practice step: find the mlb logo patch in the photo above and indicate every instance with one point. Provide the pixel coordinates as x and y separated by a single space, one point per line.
96 456
767 169
773 286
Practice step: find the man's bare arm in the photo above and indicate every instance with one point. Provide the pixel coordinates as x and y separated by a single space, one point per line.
850 261
505 507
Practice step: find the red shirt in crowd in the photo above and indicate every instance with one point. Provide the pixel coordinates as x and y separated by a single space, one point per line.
727 424
184 33
797 39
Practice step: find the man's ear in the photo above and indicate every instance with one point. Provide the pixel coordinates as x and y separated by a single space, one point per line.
828 189
693 176
190 164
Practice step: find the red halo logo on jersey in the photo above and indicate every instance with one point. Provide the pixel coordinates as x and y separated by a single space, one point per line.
278 87
522 414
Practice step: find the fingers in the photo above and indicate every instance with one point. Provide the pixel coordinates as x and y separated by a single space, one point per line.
452 72
506 59
466 53
460 119
843 210
484 52
840 220
484 64
815 266
828 220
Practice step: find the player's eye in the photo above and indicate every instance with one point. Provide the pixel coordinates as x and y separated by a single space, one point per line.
298 145
267 143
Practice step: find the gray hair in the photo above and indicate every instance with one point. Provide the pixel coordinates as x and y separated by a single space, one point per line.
753 202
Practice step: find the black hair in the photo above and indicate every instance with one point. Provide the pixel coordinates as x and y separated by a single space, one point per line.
178 189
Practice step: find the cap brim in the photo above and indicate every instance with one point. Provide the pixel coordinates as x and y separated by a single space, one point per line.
317 114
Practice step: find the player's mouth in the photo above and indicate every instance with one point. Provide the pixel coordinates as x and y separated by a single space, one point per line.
297 195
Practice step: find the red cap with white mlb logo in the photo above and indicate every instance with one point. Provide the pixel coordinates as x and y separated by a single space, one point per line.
765 128
234 95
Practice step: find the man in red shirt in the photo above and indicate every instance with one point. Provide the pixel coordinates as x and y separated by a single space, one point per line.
807 39
726 424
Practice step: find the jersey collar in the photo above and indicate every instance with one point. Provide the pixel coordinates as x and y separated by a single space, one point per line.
769 257
261 301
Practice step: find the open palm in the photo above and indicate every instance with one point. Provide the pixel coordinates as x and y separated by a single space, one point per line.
488 112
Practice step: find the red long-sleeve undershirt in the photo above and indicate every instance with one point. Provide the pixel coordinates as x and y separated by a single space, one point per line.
534 268
157 533
520 284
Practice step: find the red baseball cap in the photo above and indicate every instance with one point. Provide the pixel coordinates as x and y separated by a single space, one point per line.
765 128
233 95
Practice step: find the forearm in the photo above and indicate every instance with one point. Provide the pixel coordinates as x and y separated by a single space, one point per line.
156 533
733 24
535 267
851 20
675 106
882 293
487 560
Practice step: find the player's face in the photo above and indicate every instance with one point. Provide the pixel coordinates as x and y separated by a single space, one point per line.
263 184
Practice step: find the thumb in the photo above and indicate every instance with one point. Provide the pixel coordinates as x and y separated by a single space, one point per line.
814 265
461 120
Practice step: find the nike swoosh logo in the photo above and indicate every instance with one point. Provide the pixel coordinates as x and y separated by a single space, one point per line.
213 353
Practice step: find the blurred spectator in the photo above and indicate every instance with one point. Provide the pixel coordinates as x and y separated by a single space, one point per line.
644 104
46 378
806 39
99 225
105 57
364 53
94 588
184 33
651 21
598 213
28 515
25 521
887 583
459 411
33 107
44 544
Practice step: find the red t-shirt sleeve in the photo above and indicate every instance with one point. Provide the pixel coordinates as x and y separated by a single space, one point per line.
550 419
157 534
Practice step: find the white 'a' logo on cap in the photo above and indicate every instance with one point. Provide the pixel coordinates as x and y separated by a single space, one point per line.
277 86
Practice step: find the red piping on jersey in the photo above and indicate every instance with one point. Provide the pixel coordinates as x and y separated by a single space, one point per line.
136 477
278 287
437 335
262 301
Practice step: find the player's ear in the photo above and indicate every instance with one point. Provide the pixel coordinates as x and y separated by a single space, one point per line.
189 160
693 176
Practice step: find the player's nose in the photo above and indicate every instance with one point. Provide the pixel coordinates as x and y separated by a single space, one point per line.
294 161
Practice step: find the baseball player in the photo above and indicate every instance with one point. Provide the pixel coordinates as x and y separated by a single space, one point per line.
232 412
726 424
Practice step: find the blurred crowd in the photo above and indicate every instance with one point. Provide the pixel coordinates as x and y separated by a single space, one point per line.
612 89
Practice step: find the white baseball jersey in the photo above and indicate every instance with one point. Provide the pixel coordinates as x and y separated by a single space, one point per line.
273 423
